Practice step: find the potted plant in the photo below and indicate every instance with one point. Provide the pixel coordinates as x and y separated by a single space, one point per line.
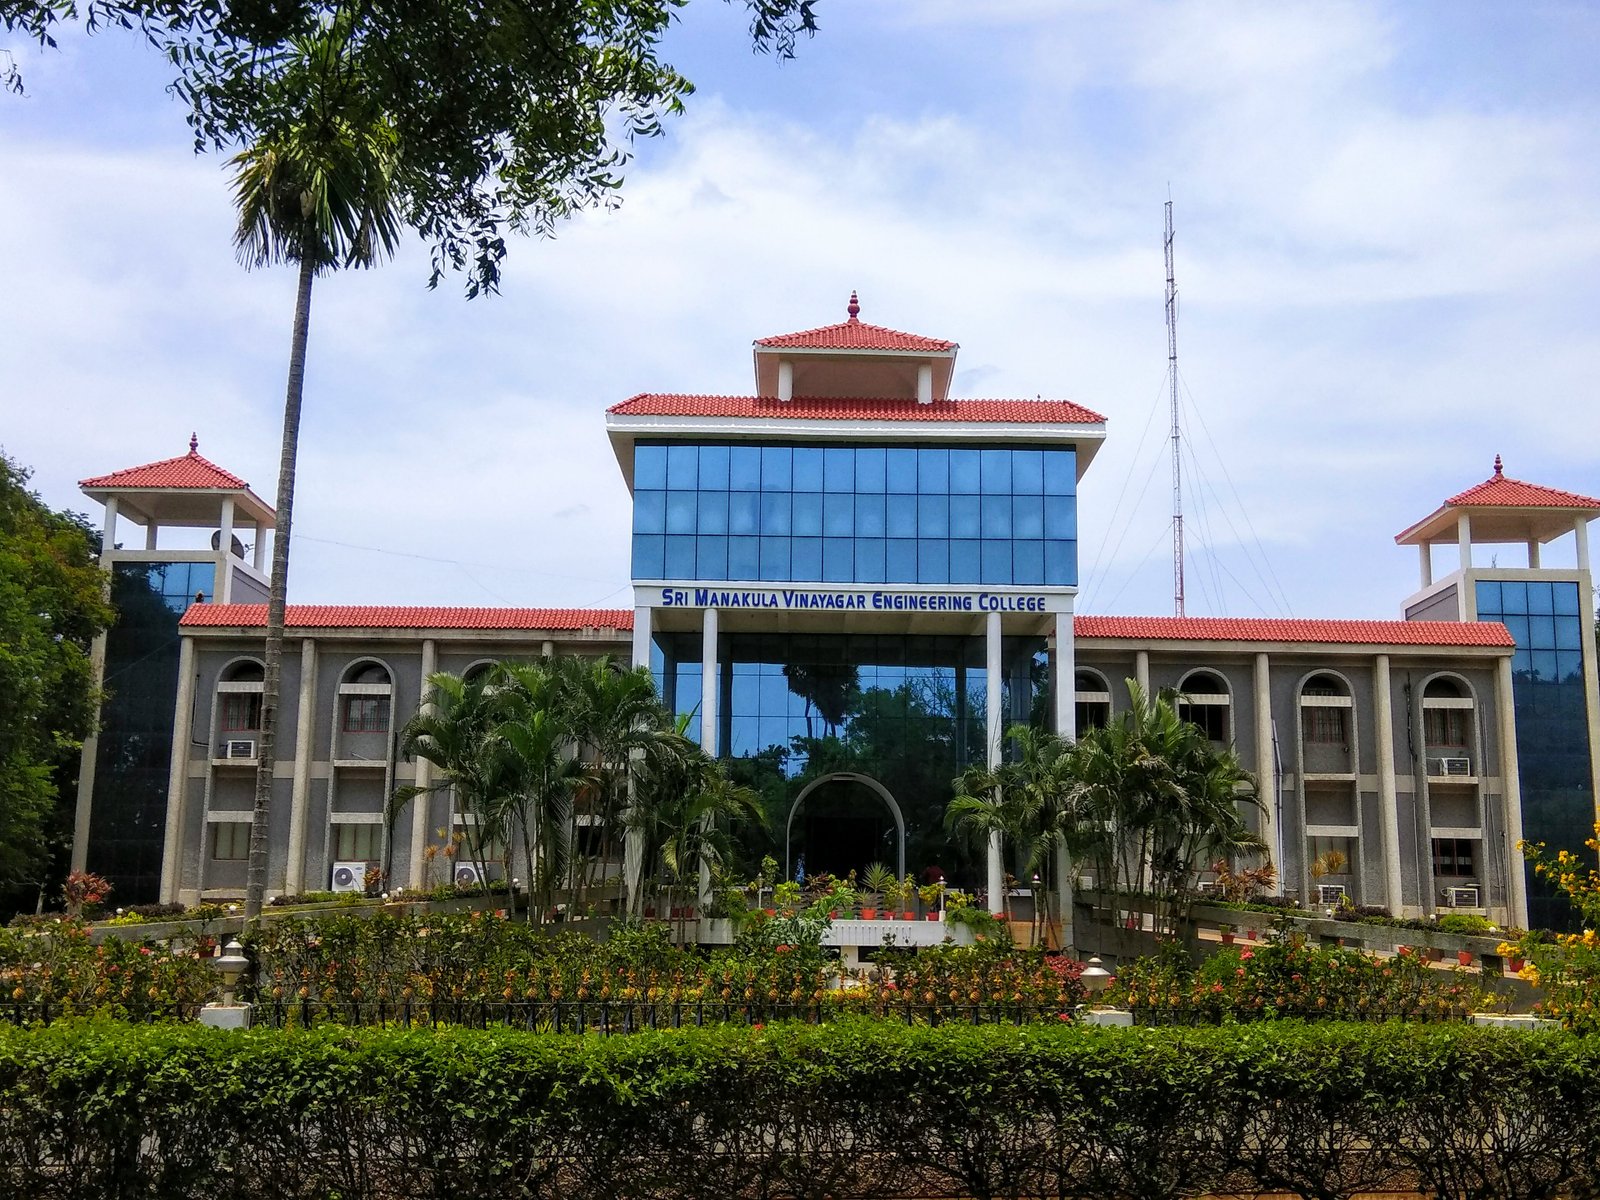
1464 957
908 897
1227 934
786 896
930 899
877 881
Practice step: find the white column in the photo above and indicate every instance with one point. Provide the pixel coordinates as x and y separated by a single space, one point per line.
710 682
1141 670
1425 553
151 533
785 379
224 584
1388 802
995 720
97 672
1580 527
423 804
925 384
1511 791
1464 539
1266 763
178 777
1066 726
641 636
1533 554
305 741
259 550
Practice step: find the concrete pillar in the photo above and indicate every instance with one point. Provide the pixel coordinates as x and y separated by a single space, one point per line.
305 742
224 584
1425 554
547 650
785 379
1388 802
97 673
710 685
423 804
178 777
1266 762
641 636
258 552
995 720
925 384
1066 682
1141 670
1580 527
1464 539
1511 790
151 534
1533 554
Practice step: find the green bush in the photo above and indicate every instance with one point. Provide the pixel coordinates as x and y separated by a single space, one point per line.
102 1110
1467 923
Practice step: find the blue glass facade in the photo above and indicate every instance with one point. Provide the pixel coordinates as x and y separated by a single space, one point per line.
855 514
1552 719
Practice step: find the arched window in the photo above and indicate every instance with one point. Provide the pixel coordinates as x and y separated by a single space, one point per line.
364 696
1325 710
1446 716
239 693
1093 708
1205 701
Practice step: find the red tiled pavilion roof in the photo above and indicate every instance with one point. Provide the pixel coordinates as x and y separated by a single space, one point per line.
389 616
855 334
1501 491
1244 629
191 470
807 408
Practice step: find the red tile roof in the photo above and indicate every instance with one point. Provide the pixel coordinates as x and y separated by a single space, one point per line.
807 408
388 616
855 335
189 470
1500 491
1243 629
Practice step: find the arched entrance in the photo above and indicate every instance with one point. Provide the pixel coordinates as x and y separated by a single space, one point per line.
844 822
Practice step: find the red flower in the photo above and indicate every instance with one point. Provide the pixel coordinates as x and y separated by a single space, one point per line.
783 949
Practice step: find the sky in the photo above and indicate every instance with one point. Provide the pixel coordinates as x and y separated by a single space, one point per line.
1387 255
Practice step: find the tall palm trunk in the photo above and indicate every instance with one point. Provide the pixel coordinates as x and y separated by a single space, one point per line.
256 879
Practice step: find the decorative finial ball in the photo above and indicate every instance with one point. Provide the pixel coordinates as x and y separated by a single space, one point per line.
1497 464
854 308
194 444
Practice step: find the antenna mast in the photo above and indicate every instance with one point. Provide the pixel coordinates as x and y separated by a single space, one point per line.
1177 462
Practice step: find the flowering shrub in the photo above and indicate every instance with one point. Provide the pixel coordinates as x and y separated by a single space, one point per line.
1285 978
56 971
1565 965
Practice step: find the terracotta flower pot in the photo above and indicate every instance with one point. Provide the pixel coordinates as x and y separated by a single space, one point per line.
1227 937
933 916
1251 934
1515 965
869 914
1464 957
908 915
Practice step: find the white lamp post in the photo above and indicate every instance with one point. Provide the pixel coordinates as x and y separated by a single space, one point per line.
1095 979
230 964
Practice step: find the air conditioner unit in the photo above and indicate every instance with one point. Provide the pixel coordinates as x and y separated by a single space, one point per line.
1462 897
241 748
1330 893
468 873
1452 766
349 877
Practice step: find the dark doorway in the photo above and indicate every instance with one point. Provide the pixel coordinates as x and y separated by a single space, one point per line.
843 825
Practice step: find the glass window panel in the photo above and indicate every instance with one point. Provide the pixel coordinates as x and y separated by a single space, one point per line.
744 468
902 511
839 469
933 517
964 473
713 468
838 559
773 731
808 513
744 512
1060 517
996 518
902 469
680 557
649 512
1542 633
870 560
1566 599
774 695
1027 561
933 560
1545 666
1521 662
901 560
996 562
933 471
838 515
996 472
1570 665
650 466
1518 627
774 559
1569 633
872 465
743 560
870 516
683 467
711 557
807 469
1488 597
681 512
964 517
745 697
807 564
1060 472
1061 562
774 513
1027 517
1027 472
965 564
713 512
1514 597
1540 599
649 556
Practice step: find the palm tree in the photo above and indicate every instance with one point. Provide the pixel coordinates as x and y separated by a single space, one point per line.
318 192
451 730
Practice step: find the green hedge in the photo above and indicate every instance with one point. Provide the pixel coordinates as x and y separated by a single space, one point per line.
853 1109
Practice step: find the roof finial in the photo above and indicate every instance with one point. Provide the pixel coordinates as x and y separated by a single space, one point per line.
194 444
1497 467
854 308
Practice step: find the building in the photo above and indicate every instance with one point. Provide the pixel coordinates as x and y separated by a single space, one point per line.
854 583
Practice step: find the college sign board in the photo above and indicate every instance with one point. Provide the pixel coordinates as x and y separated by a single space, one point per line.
884 600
